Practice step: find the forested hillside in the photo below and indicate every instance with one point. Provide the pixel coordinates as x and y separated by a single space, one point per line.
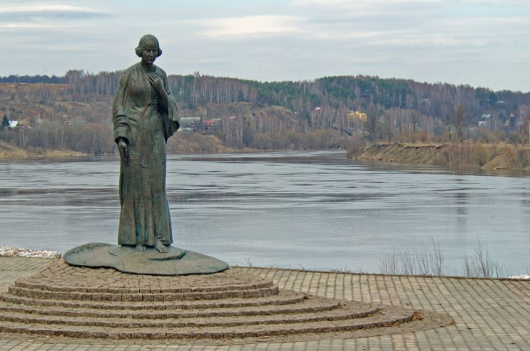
73 112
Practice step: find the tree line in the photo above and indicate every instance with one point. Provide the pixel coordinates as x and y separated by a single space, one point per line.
73 111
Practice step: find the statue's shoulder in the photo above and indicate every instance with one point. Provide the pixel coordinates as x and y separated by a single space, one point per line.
130 72
161 71
132 68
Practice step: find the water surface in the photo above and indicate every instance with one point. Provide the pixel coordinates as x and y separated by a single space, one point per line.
312 210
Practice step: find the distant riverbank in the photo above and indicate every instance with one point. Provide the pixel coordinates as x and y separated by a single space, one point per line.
464 155
185 145
11 152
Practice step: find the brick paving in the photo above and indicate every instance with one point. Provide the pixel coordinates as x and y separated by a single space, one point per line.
490 314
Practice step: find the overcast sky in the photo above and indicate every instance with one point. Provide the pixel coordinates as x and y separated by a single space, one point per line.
483 43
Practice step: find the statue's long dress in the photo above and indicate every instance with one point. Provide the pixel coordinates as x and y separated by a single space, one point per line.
140 118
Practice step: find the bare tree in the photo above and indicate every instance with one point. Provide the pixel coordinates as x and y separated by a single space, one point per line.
372 125
459 121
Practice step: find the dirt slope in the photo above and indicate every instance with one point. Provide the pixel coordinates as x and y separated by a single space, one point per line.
488 157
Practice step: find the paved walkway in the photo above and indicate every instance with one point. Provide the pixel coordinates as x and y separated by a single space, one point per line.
490 314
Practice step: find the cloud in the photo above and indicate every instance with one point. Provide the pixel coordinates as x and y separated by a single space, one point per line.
44 16
47 9
367 18
400 24
369 7
32 20
29 26
430 41
250 25
493 2
361 3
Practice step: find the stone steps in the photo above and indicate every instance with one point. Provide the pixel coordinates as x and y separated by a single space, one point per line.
309 305
163 321
122 289
147 297
81 302
213 332
282 298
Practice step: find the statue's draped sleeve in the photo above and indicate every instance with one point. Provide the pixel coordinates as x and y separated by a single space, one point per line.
119 109
171 125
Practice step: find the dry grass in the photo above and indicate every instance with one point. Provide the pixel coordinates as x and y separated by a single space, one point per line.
431 262
462 155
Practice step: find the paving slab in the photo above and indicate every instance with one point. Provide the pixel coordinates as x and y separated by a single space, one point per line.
489 314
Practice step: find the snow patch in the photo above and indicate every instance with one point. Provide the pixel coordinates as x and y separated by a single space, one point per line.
6 251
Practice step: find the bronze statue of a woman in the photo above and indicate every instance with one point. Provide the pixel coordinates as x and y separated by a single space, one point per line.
145 115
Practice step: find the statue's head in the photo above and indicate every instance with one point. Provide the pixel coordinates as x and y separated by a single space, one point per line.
148 38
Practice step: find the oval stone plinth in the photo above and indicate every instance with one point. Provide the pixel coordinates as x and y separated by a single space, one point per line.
126 259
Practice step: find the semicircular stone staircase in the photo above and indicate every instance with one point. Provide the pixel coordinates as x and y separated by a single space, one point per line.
63 300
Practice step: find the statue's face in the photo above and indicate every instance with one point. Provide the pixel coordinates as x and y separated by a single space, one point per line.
150 52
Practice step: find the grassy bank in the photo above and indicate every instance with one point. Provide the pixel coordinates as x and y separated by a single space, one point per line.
11 152
186 144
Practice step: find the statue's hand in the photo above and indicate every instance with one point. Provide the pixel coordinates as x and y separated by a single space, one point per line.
123 149
157 83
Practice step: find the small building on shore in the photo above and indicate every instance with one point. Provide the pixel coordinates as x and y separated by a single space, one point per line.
190 124
14 124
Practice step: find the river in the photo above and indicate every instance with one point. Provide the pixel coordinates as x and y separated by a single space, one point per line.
313 210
